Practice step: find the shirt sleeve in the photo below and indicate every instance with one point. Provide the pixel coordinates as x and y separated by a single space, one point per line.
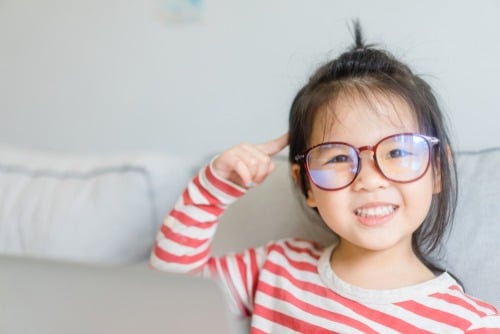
183 243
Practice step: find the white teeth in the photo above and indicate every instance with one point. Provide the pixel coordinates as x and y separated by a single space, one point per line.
378 211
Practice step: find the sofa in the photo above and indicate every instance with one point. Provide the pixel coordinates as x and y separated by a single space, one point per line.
106 210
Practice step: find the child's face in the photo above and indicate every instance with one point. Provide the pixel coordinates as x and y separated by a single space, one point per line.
372 213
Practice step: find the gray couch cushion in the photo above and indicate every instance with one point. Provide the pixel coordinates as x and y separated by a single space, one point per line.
472 251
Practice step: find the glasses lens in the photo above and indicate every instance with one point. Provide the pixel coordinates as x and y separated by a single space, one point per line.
403 157
332 166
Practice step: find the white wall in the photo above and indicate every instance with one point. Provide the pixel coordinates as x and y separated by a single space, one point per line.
115 75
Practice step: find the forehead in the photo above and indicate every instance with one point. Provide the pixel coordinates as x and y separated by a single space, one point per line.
362 119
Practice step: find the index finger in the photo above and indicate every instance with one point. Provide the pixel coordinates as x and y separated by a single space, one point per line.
274 146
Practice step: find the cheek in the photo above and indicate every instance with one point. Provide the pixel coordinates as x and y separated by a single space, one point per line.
418 197
311 199
314 195
328 203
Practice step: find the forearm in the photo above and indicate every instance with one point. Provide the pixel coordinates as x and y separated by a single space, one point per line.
184 240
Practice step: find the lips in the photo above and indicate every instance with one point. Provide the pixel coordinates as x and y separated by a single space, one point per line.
376 214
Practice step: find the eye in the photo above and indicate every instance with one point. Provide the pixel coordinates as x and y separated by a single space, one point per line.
339 159
398 153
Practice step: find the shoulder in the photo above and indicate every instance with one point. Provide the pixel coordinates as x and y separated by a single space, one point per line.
294 260
488 324
455 295
480 314
298 249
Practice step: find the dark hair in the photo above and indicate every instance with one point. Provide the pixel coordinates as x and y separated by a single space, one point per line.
363 69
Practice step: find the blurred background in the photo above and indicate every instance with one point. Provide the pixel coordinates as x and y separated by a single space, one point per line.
193 77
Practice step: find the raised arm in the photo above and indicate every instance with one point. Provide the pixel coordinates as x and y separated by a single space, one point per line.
183 243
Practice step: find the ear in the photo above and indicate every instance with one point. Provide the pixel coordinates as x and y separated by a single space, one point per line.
296 174
437 185
436 181
296 178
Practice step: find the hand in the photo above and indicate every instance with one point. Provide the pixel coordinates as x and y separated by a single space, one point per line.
247 164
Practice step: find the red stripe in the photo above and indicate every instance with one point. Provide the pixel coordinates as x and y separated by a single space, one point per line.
254 270
455 288
181 238
288 321
186 198
283 295
257 331
480 303
484 305
191 222
204 192
243 273
374 315
180 259
212 267
222 186
280 271
307 250
212 209
435 314
459 302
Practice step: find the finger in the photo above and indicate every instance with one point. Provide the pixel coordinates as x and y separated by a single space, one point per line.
253 155
243 172
274 146
259 163
227 164
263 172
256 162
245 165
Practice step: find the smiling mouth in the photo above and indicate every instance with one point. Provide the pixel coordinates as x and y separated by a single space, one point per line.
379 211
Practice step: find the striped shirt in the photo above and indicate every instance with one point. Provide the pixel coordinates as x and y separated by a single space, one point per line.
288 286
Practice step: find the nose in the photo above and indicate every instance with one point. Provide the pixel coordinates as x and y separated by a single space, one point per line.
369 176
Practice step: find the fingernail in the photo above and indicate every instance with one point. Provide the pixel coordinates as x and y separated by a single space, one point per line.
250 184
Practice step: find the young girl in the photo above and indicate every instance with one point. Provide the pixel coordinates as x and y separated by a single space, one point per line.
370 152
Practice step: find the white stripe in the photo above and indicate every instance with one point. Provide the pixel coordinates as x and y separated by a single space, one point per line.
238 283
486 322
190 231
300 256
413 318
196 213
195 194
260 258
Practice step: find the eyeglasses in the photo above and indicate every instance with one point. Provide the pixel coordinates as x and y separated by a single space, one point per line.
402 158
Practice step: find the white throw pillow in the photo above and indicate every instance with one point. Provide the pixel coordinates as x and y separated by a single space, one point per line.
100 209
